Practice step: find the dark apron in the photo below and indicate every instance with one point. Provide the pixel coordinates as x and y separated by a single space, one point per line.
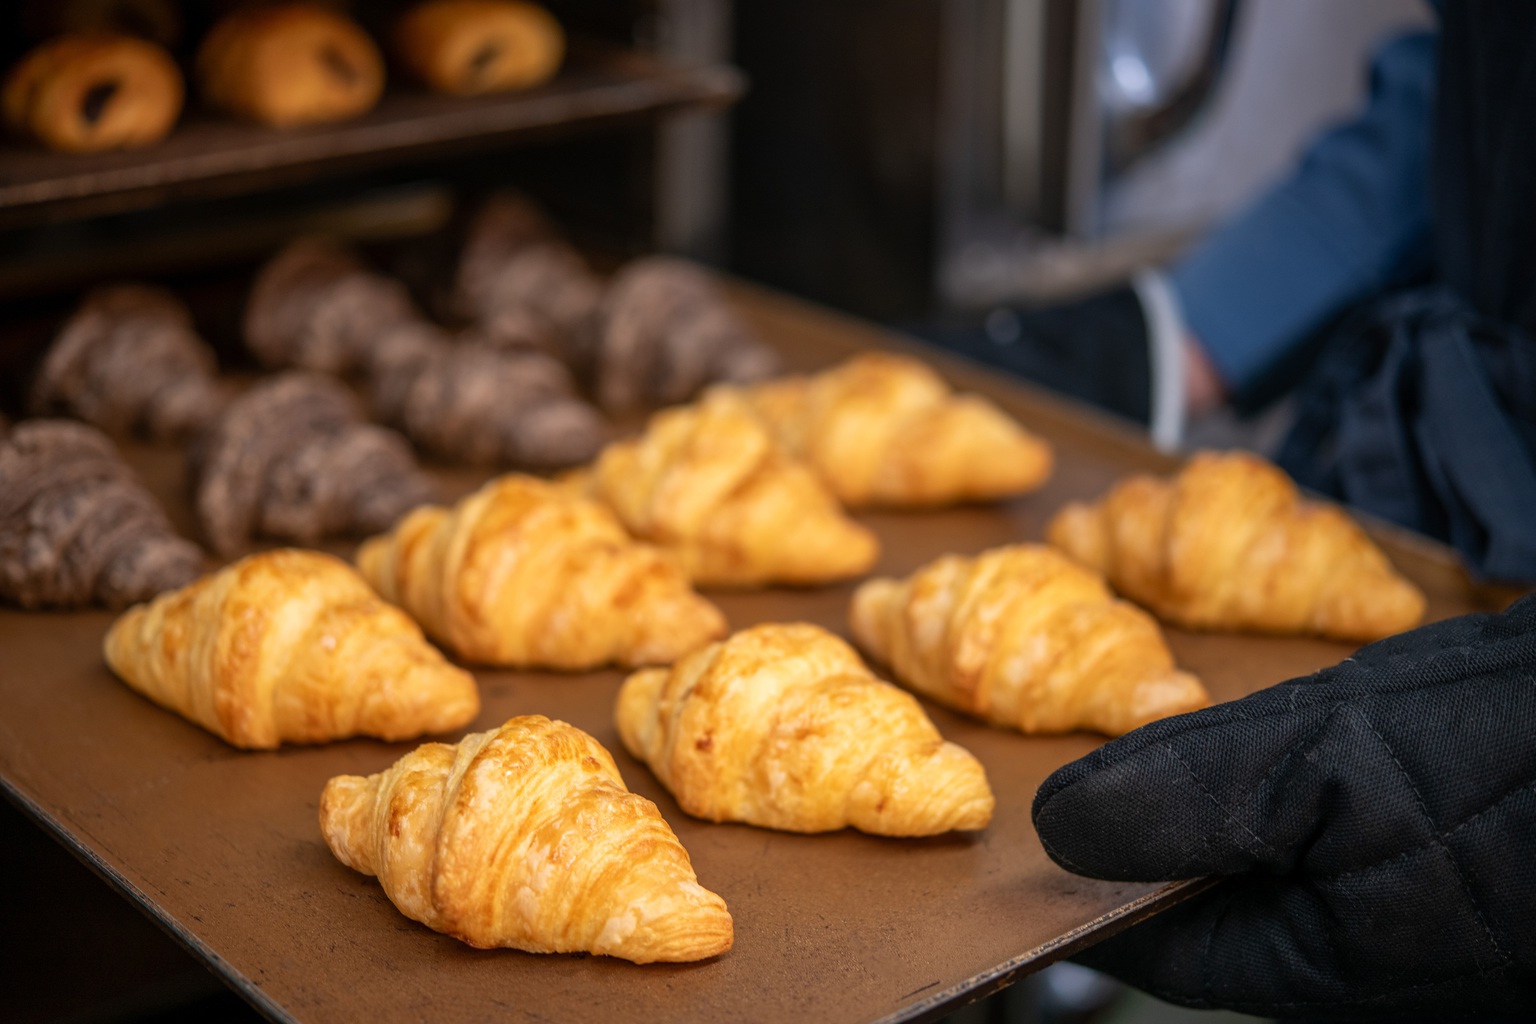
1422 407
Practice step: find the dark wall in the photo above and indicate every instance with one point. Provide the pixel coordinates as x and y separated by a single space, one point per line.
833 161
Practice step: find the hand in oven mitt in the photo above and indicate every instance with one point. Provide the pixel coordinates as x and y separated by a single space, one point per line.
1375 827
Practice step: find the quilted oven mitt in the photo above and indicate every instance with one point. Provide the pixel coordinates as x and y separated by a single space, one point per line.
1375 825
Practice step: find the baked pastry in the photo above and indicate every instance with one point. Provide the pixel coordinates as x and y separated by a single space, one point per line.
664 332
292 460
289 647
93 92
1023 637
514 264
290 64
526 837
472 47
77 527
884 429
314 306
709 483
129 359
783 726
1229 544
523 573
473 403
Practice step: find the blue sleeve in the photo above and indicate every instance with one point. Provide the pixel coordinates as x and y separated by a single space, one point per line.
1352 219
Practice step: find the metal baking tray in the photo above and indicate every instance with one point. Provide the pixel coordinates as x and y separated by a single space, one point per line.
222 847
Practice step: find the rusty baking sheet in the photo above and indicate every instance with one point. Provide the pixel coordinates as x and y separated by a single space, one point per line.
211 154
223 849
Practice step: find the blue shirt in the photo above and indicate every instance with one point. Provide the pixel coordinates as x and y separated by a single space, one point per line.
1352 221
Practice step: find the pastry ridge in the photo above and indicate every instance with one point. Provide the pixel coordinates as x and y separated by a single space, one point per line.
522 572
783 726
709 483
1229 543
1022 637
525 836
885 429
289 646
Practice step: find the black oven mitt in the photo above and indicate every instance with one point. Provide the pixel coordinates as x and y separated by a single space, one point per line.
1374 826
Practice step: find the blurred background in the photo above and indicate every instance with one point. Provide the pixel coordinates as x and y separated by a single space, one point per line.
917 162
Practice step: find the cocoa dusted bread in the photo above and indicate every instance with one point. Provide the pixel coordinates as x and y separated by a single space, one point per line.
77 527
130 360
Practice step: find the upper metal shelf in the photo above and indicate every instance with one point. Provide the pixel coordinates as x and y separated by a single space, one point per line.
212 155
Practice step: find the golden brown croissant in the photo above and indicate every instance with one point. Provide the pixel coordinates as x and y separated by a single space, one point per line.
783 726
1023 637
710 483
526 837
1229 544
884 429
289 646
523 572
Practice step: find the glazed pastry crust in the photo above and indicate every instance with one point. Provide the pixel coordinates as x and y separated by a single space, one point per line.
289 646
290 64
1229 544
710 483
526 837
885 429
524 573
783 726
94 92
472 47
1024 638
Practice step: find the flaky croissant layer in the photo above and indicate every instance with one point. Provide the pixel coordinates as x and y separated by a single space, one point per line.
1023 637
783 726
289 646
526 573
885 429
709 483
526 837
1229 544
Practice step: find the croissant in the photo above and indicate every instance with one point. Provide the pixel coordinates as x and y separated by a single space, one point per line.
130 359
289 646
77 526
1229 544
1023 637
884 429
783 726
526 837
709 483
524 573
663 332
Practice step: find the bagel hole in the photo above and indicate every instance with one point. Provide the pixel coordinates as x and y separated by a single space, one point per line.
480 64
94 104
338 65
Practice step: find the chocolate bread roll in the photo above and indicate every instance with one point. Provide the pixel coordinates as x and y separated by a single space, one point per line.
314 306
290 64
472 47
470 402
77 527
664 332
293 460
87 93
514 264
130 360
